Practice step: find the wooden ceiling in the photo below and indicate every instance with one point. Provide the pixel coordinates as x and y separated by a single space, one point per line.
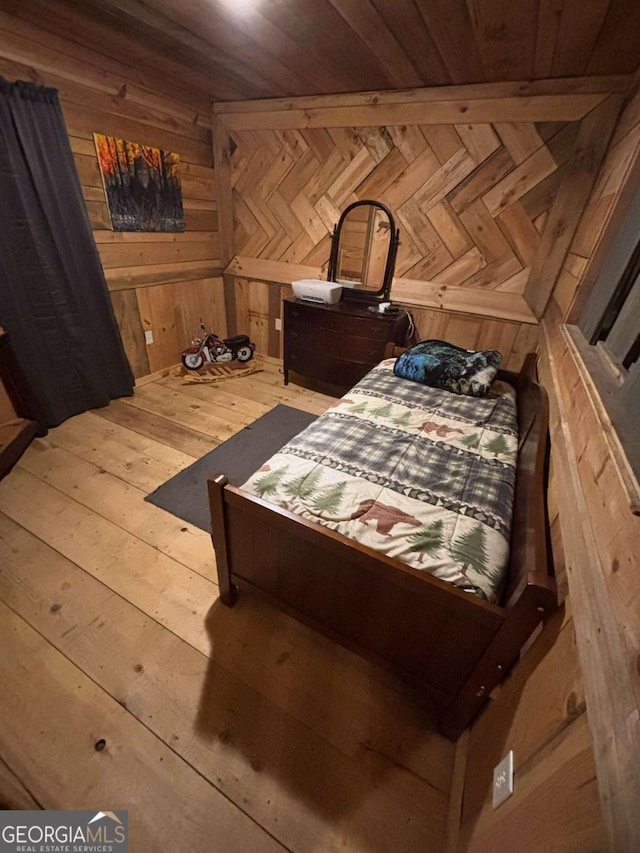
244 49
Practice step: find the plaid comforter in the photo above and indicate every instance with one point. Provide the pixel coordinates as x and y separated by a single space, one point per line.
422 475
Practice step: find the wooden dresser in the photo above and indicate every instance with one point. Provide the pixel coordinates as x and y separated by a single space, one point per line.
339 343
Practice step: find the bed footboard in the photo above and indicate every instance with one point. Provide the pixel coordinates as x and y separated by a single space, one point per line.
454 647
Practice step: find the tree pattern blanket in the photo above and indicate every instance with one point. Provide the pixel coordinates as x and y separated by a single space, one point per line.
418 473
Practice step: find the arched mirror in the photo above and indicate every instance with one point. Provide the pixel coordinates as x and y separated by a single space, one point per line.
363 251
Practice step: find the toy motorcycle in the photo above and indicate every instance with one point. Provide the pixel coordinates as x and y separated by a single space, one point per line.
210 349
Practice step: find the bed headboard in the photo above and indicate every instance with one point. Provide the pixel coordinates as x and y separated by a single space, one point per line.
530 560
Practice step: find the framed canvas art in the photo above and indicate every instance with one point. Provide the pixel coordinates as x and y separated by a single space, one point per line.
141 184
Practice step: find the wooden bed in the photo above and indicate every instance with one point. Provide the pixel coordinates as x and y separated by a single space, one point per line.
454 647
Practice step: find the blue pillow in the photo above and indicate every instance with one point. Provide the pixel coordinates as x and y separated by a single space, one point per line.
443 365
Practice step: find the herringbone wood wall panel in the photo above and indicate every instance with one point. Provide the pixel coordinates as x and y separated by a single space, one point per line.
471 201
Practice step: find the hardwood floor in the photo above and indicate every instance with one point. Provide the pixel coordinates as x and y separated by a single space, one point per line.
225 729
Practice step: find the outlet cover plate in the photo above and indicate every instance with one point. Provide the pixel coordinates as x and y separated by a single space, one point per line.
148 337
503 780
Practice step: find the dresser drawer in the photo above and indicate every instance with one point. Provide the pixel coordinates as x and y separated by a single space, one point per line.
326 367
361 324
336 343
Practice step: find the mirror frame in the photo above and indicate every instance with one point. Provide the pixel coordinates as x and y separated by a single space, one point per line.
362 294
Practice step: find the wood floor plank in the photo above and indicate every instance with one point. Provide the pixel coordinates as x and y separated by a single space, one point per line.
162 588
290 395
215 394
159 429
200 415
273 376
51 717
136 459
123 504
13 794
226 730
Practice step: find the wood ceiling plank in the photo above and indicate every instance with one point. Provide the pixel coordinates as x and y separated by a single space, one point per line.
364 19
449 24
260 44
505 33
327 37
314 69
577 35
224 43
201 51
618 38
65 30
409 28
548 27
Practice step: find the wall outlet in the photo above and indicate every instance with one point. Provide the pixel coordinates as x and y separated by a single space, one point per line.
503 780
278 324
148 337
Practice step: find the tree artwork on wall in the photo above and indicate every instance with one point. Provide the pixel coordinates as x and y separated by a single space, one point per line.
141 184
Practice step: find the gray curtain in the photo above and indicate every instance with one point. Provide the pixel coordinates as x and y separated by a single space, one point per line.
54 301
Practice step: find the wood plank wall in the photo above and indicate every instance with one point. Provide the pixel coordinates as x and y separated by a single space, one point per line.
600 530
540 713
163 283
586 663
472 199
